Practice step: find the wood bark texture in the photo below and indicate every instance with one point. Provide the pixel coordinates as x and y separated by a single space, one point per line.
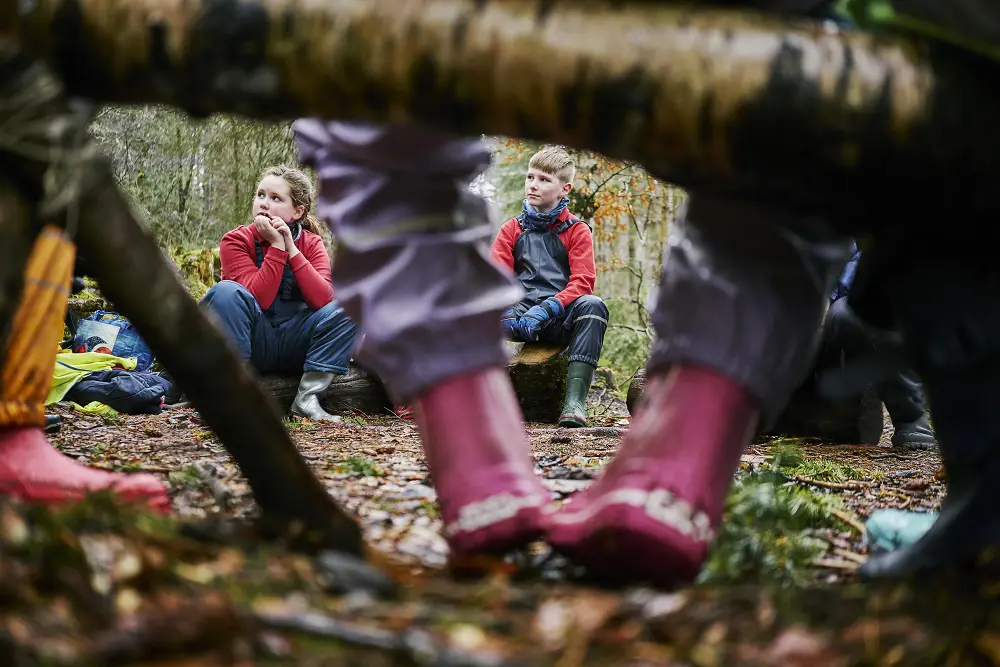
711 99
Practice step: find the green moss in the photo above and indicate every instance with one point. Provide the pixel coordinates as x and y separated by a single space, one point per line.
769 532
355 419
360 465
199 268
296 424
765 537
188 475
88 301
790 460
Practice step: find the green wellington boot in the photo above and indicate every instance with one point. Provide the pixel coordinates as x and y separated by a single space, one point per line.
578 379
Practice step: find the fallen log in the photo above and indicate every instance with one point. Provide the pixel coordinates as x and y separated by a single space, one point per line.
809 415
78 187
538 373
705 98
357 391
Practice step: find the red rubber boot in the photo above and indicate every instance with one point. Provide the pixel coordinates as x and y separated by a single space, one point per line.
34 471
652 515
476 449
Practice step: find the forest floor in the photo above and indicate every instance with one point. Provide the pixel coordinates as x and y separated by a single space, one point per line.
103 585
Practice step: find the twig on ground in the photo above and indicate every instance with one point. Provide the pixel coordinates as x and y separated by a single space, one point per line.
155 469
836 564
158 469
222 494
599 431
409 423
850 555
414 643
907 500
562 459
848 486
851 521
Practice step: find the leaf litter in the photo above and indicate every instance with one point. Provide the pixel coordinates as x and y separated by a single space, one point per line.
104 584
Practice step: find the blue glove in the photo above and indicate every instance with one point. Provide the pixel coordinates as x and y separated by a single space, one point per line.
509 323
534 320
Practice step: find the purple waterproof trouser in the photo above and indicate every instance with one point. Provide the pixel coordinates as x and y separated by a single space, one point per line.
744 289
412 263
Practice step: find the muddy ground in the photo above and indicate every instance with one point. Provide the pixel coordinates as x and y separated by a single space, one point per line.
103 586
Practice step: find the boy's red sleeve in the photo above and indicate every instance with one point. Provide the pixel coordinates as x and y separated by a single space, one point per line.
238 255
502 251
582 269
312 272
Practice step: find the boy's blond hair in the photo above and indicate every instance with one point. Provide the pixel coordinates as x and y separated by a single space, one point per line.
554 161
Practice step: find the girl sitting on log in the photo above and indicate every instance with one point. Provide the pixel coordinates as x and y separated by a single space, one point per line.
275 300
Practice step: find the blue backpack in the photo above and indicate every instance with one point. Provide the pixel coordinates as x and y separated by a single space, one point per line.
109 333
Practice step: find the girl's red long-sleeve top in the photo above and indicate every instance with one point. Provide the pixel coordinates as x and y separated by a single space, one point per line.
311 266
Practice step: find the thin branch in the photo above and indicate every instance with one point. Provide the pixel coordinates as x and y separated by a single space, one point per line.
644 332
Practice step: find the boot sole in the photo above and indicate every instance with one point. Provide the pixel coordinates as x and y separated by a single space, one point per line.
569 421
620 545
526 526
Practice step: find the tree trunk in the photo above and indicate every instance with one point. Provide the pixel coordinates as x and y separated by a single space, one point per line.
706 98
538 373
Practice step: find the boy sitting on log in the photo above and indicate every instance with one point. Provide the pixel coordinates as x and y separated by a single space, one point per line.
551 253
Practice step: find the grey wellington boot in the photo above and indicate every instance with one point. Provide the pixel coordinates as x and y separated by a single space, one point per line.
914 435
306 403
578 378
904 399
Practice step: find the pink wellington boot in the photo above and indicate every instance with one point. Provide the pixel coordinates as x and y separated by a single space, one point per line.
34 471
476 449
652 515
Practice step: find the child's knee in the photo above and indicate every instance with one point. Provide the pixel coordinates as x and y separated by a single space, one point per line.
228 294
590 304
332 316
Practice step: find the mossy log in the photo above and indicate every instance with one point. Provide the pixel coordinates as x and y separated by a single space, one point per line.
703 97
88 302
357 391
538 373
200 268
809 415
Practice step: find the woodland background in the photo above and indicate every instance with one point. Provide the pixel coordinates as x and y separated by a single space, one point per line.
192 181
